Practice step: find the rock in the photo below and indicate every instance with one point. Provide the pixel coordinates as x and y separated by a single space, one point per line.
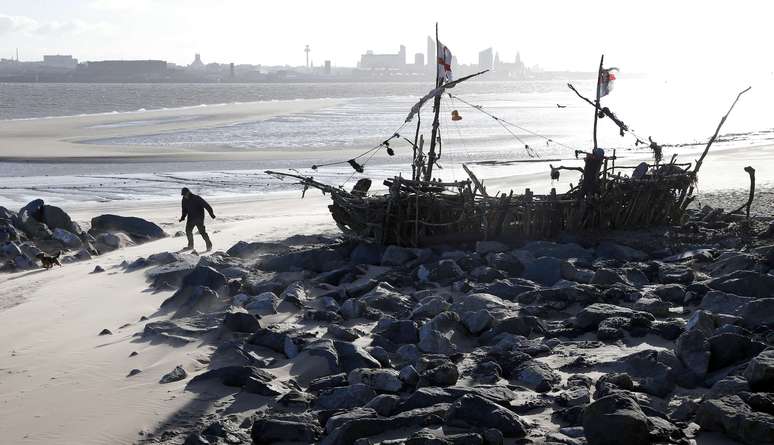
399 332
171 274
445 374
674 293
505 262
137 228
9 232
397 256
108 242
264 303
570 272
733 417
409 375
615 419
607 277
266 431
484 248
56 218
175 375
429 308
607 249
240 321
443 272
247 250
745 283
537 375
732 262
723 303
728 386
341 333
340 419
477 321
653 306
760 372
98 269
327 382
205 276
507 289
476 411
352 356
366 253
387 299
590 316
486 274
728 349
345 397
544 270
68 239
30 220
575 396
692 348
384 404
234 376
192 299
758 313
480 301
105 332
380 380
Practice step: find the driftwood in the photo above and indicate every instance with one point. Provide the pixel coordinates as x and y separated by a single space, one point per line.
717 130
750 171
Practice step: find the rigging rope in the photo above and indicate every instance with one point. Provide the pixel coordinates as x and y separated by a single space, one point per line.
504 122
386 142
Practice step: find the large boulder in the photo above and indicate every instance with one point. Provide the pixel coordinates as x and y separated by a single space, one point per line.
733 417
345 397
475 411
746 283
204 276
380 380
555 250
544 270
247 250
760 372
758 313
720 302
590 316
56 218
108 242
266 431
138 228
616 419
693 350
30 221
607 249
9 232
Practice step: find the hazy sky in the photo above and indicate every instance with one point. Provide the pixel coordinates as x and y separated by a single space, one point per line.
642 36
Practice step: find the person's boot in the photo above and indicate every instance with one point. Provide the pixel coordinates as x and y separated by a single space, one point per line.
190 246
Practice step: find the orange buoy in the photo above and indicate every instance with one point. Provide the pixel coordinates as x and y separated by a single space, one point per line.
456 116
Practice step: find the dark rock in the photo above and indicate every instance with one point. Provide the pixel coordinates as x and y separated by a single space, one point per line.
728 349
380 380
56 218
384 404
352 356
478 321
387 299
266 431
170 274
607 277
693 350
205 276
397 256
723 303
239 321
592 315
760 372
341 333
537 375
398 331
319 260
445 374
328 381
653 306
507 289
191 300
476 411
544 270
246 250
758 313
733 417
505 262
618 252
745 283
175 375
345 397
616 419
563 251
234 376
105 332
137 228
444 272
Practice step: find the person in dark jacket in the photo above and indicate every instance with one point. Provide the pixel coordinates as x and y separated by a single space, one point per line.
193 209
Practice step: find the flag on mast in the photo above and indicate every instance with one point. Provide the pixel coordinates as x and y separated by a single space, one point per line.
606 80
444 63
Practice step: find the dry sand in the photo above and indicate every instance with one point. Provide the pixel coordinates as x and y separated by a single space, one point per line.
60 382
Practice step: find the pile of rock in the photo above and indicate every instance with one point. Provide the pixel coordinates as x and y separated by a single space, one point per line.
456 346
41 228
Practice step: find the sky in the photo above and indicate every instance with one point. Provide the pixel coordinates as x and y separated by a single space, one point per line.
717 38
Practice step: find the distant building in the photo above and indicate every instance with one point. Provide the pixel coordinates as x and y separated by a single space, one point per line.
123 69
419 59
197 64
231 73
60 61
369 60
485 59
327 69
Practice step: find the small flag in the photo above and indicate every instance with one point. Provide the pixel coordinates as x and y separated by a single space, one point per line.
606 80
444 63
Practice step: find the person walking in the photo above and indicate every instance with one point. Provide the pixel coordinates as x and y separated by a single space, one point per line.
193 209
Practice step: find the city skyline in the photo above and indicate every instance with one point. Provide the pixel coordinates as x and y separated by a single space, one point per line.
639 38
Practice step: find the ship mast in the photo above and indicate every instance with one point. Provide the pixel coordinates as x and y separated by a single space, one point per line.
431 156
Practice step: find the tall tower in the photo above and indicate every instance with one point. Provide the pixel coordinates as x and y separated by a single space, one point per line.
431 57
306 50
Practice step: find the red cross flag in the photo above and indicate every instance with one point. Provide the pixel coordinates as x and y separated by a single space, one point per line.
606 80
444 64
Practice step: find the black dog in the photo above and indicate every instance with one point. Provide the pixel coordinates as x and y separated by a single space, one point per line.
49 261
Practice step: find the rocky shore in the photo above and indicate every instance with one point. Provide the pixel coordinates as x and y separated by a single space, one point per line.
639 337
